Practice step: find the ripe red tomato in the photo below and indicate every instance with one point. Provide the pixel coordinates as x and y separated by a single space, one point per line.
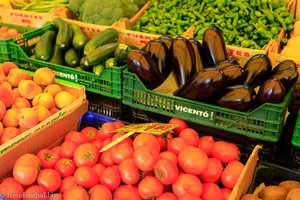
231 173
86 177
188 196
48 158
75 192
86 155
127 192
38 191
206 143
166 171
98 169
111 178
10 187
118 124
26 169
167 196
225 151
182 124
89 133
49 179
191 136
163 140
56 150
98 144
66 183
150 187
211 191
175 145
98 192
106 131
187 183
76 137
213 171
106 158
145 157
146 139
121 151
129 172
126 140
226 192
65 167
193 160
67 149
169 156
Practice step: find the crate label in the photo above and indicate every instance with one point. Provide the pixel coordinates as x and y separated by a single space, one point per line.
206 114
72 77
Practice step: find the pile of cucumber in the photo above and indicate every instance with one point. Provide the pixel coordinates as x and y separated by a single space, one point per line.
67 45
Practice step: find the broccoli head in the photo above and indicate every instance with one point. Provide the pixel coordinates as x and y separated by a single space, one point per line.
75 6
129 8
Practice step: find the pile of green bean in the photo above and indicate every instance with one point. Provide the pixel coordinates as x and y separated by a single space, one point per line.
244 23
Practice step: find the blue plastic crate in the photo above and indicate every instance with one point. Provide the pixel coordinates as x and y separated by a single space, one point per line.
94 120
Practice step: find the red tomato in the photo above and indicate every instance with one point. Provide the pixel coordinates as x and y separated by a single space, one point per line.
146 139
106 131
98 144
67 149
49 179
48 158
106 158
182 125
66 183
226 192
188 196
163 140
55 196
65 167
175 145
86 177
89 133
187 183
166 171
127 192
129 172
213 171
76 192
232 173
118 124
225 151
150 187
192 160
26 169
145 157
167 196
211 191
121 151
169 156
98 169
56 150
98 192
206 143
11 189
111 178
191 136
76 137
38 191
119 134
86 155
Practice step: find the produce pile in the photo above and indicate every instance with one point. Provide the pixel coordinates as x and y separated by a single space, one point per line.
175 165
249 23
38 5
6 32
27 100
205 73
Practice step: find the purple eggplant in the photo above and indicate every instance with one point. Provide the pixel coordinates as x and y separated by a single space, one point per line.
144 66
284 65
234 74
271 91
227 63
205 84
183 59
200 58
287 77
160 53
214 46
167 39
258 69
237 97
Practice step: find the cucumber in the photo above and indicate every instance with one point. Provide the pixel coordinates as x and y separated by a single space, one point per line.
100 54
44 48
65 34
109 35
57 56
79 39
71 57
97 69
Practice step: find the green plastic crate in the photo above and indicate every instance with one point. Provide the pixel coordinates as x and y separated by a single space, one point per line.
264 122
296 135
4 43
107 83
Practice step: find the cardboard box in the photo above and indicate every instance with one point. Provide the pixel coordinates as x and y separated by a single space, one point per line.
47 132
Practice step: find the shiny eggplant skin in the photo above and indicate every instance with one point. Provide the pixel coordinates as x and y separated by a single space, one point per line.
200 57
284 65
287 77
167 39
227 63
205 84
142 64
160 53
183 59
234 74
214 46
238 97
258 69
271 91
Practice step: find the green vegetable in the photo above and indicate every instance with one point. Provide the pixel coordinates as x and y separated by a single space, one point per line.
65 34
97 69
71 57
57 56
109 62
75 5
44 48
79 39
121 54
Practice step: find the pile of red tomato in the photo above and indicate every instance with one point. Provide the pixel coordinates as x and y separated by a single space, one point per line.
176 166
